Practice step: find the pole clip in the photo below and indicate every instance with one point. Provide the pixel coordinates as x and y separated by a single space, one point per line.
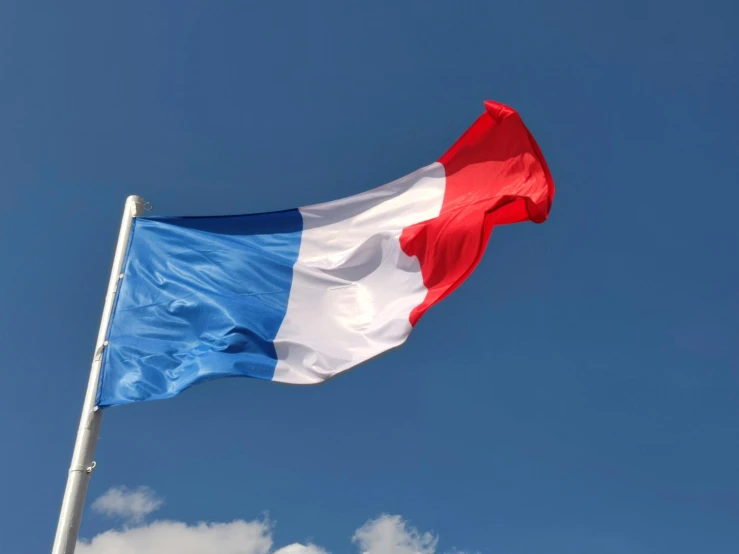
99 351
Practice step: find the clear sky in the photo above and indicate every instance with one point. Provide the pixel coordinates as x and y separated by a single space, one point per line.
578 394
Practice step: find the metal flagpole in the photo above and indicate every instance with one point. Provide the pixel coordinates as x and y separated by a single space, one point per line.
87 434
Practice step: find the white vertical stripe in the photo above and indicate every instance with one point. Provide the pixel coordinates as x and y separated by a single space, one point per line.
353 287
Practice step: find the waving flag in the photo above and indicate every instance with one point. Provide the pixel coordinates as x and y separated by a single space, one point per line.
302 295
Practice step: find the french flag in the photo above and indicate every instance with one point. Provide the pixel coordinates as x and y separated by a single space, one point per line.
302 295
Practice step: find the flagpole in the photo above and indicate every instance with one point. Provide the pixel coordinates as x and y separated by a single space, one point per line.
82 465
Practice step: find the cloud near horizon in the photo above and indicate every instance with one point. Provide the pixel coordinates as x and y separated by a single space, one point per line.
386 534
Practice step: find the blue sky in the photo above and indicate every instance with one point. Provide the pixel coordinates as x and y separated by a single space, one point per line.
579 393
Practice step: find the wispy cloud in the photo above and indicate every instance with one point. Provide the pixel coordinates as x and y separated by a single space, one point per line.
131 506
387 534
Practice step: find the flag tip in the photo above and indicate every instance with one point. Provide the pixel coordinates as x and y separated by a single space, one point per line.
498 111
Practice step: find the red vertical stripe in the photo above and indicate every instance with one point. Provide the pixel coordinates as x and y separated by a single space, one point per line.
495 175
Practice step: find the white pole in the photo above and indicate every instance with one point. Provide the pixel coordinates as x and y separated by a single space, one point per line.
87 434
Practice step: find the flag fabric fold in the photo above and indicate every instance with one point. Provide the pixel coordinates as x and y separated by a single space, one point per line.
302 295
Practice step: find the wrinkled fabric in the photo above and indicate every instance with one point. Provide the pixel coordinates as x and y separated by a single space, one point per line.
301 296
200 298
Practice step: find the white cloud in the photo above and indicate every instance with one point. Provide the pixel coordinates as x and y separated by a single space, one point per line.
130 505
387 534
298 548
391 535
174 537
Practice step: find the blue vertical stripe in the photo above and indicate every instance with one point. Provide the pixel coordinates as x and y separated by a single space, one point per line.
201 298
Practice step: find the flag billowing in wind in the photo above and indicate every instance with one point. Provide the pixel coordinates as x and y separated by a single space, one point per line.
301 295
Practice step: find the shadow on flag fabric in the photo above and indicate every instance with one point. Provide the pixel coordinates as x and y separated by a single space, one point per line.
302 295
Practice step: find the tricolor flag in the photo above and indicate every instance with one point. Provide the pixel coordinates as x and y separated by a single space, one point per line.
302 295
